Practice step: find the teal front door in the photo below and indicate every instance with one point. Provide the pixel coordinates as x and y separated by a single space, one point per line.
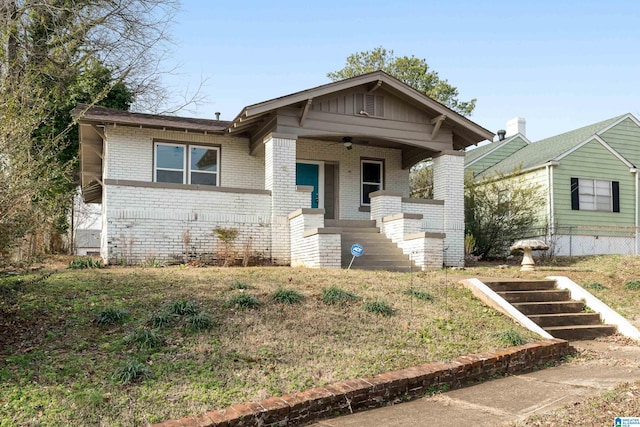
308 174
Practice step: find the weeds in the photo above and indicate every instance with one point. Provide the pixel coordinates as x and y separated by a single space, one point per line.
378 307
287 296
511 337
244 301
145 338
199 322
184 307
335 295
423 295
163 319
84 262
633 285
154 263
111 316
133 370
595 286
240 285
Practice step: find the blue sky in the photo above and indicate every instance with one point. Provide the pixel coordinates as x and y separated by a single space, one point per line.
560 64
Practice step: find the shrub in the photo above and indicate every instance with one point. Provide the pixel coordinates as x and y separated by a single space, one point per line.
184 307
145 338
111 316
244 301
511 337
199 322
632 285
133 370
423 295
287 296
378 307
84 262
335 295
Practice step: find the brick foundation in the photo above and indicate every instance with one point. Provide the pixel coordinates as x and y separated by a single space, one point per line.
367 393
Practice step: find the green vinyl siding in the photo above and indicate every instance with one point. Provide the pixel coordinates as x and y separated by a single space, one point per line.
592 161
540 178
625 139
498 154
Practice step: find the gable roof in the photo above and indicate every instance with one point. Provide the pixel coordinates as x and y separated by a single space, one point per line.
476 154
541 152
465 131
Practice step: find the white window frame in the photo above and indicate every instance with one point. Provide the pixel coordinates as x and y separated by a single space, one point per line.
362 181
592 204
186 162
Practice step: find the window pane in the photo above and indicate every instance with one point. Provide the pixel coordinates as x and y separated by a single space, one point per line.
603 203
169 176
204 160
169 157
203 178
371 172
603 188
366 190
586 186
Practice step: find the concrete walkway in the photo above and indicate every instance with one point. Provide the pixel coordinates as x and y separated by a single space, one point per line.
600 366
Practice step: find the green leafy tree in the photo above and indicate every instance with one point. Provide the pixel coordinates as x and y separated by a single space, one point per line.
413 71
500 210
421 181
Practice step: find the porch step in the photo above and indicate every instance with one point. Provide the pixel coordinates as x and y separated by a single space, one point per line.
550 308
380 253
350 223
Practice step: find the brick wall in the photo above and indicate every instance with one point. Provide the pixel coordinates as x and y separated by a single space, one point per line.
366 393
143 223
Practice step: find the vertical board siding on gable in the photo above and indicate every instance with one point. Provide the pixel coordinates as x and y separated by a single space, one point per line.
130 155
498 155
625 139
395 178
592 161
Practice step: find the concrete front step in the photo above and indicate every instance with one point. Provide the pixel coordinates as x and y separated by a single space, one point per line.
581 332
549 307
349 223
565 319
536 296
520 285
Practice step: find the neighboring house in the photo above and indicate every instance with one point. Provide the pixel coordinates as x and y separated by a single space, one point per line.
590 180
87 242
295 175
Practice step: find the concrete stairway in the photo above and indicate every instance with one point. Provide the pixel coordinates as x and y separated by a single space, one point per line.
552 309
380 253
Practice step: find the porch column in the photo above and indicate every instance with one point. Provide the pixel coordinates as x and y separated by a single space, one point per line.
280 179
448 185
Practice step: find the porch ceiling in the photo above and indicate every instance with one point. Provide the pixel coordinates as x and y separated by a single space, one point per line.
91 141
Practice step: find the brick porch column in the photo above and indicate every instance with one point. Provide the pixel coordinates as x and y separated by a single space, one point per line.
448 185
280 179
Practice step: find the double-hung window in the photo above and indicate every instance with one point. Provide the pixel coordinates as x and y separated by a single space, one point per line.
371 179
186 164
595 195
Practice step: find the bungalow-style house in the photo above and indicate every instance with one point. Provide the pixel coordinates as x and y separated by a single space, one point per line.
590 180
301 178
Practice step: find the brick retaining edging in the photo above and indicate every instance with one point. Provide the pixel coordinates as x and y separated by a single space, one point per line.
367 393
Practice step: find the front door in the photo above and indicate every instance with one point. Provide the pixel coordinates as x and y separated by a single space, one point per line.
309 174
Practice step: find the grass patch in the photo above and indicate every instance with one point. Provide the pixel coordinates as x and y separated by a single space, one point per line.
334 295
244 301
378 307
111 316
418 294
199 322
163 319
183 308
287 296
146 338
131 371
237 284
511 337
595 286
632 285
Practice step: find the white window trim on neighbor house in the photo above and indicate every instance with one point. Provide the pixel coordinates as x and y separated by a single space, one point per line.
186 162
380 184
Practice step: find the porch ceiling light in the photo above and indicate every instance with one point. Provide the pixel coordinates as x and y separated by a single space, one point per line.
348 143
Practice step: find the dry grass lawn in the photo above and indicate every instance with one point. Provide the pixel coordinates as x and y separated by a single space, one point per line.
59 367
